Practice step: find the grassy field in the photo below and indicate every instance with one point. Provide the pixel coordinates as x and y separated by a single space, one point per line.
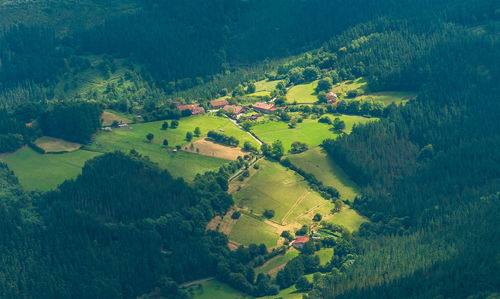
109 116
388 97
55 145
278 188
309 131
215 289
277 262
264 88
342 88
248 230
45 172
325 255
211 149
180 164
316 161
348 218
303 93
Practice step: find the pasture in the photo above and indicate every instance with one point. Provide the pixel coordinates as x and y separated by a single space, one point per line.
215 289
181 164
109 116
45 172
276 263
317 162
264 88
310 131
208 148
56 145
348 218
278 188
342 88
303 93
248 230
325 255
388 97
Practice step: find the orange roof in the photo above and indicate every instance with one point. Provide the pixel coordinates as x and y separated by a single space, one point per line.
219 103
187 107
236 109
301 239
266 106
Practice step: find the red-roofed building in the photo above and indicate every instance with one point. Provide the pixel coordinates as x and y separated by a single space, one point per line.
300 241
264 107
195 110
331 97
219 103
29 125
234 109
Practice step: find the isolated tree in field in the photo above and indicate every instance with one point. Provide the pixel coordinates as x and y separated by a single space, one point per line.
189 136
317 217
268 213
165 142
115 124
150 137
236 215
251 88
324 85
174 124
338 125
164 126
197 132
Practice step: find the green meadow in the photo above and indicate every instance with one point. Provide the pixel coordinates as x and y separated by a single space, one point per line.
215 289
180 164
277 188
45 172
317 162
310 131
303 93
248 230
325 255
277 262
388 97
264 88
348 218
342 88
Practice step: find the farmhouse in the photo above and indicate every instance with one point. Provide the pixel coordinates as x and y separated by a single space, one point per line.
233 109
219 103
331 97
300 241
264 107
195 110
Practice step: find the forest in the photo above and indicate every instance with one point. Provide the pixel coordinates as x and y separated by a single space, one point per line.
428 170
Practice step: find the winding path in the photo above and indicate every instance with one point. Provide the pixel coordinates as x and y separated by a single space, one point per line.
251 135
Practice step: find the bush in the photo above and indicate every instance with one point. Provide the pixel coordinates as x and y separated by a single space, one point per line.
256 166
268 213
236 215
317 217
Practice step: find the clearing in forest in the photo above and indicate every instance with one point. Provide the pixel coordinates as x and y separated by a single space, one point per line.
303 93
44 172
56 145
109 116
248 230
264 88
317 162
310 131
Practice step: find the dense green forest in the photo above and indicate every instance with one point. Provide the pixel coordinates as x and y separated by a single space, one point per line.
428 170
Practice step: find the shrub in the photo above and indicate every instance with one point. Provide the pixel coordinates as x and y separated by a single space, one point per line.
268 213
236 215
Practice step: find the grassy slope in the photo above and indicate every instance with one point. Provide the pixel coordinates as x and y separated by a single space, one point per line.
316 161
45 172
215 289
275 187
309 131
50 144
348 218
248 230
303 93
277 261
342 88
109 116
264 88
181 164
388 97
325 255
